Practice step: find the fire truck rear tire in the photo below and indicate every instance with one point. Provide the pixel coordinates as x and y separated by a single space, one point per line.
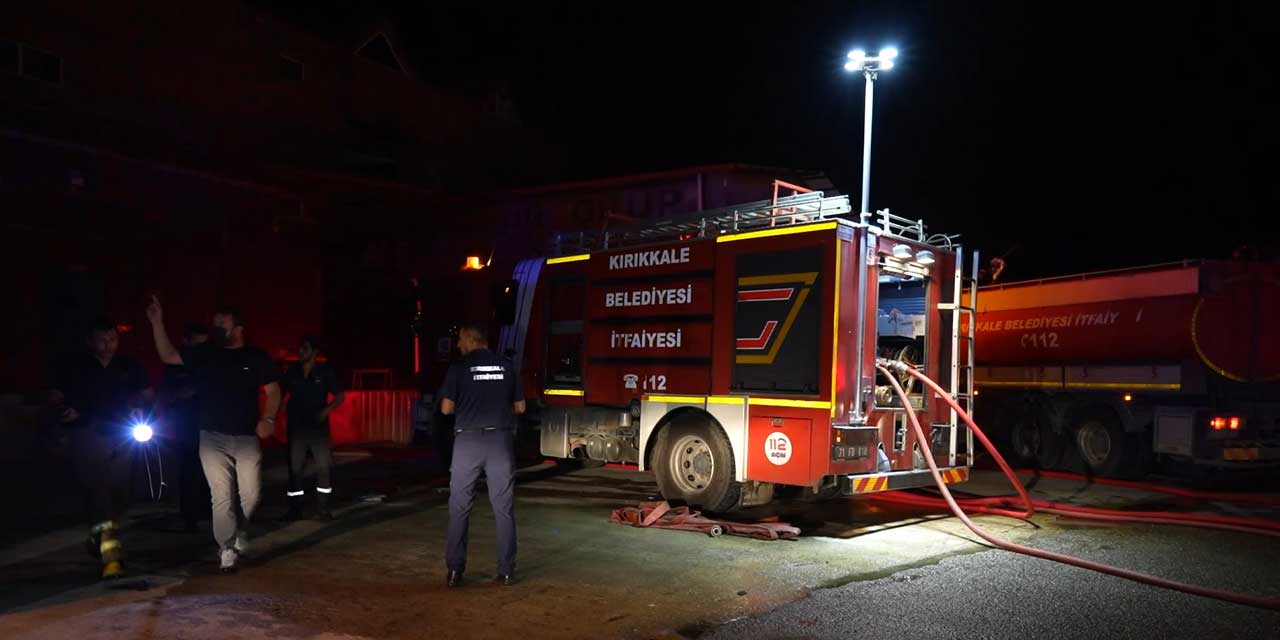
693 462
1103 447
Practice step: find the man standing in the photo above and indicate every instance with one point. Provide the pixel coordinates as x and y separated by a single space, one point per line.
99 394
484 391
309 385
182 426
228 375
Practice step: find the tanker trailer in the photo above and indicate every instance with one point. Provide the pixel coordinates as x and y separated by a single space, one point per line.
1108 372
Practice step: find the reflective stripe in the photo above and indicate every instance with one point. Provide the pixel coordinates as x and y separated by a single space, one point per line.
780 402
726 399
580 256
294 494
785 231
108 545
324 490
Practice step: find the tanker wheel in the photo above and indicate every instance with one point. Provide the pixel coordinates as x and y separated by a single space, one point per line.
693 462
1105 449
1032 437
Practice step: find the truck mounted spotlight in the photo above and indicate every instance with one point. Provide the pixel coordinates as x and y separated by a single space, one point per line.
902 252
142 432
924 257
870 68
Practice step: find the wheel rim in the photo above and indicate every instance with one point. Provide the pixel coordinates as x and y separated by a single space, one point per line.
1094 442
692 464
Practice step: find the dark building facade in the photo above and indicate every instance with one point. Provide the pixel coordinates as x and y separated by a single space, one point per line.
212 153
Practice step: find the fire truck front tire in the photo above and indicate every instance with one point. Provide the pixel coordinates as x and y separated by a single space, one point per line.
1032 439
693 462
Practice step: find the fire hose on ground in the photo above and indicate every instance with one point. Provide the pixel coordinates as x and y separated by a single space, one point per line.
1213 496
1002 506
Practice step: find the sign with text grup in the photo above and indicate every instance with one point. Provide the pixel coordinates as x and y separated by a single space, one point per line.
619 383
667 297
652 261
673 340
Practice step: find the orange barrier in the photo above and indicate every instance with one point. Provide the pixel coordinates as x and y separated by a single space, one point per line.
365 417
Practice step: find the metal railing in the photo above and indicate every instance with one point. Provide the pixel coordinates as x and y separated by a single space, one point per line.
801 208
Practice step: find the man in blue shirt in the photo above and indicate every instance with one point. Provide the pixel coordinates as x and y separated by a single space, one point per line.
483 390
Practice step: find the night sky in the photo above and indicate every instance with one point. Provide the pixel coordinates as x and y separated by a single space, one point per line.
1068 138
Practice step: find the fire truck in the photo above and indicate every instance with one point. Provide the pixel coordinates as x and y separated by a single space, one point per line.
733 351
1109 372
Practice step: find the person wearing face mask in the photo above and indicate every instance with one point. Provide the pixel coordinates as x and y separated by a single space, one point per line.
178 399
228 374
309 384
99 395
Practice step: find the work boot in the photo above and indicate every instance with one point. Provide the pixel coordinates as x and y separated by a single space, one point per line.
110 550
454 579
295 509
322 506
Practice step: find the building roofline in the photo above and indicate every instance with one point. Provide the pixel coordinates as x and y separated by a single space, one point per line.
624 180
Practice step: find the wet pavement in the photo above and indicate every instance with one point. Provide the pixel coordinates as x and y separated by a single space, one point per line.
861 569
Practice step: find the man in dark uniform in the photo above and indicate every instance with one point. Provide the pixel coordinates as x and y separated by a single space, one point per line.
309 385
484 392
100 394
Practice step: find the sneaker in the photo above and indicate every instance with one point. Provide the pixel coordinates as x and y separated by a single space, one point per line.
242 542
228 557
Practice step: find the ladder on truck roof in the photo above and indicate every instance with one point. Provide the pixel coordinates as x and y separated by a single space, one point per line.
801 208
785 211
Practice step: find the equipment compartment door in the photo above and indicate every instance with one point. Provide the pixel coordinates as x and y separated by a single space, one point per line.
777 321
778 450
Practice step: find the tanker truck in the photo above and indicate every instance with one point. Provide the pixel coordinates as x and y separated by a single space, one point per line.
1107 373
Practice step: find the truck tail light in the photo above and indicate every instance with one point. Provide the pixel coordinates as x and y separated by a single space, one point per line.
1230 423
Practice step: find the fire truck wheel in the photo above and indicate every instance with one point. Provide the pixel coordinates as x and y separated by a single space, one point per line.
1104 449
693 462
1032 439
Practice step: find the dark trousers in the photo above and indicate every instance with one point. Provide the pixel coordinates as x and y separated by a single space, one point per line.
315 441
493 453
104 466
194 498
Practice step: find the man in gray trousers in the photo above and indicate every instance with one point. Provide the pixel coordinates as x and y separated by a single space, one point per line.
483 389
228 375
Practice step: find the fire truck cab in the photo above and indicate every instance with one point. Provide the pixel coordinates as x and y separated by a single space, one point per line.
734 350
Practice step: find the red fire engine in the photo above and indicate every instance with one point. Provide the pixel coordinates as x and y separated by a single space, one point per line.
1103 372
734 350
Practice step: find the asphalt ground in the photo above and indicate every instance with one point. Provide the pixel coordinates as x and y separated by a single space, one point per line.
861 568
